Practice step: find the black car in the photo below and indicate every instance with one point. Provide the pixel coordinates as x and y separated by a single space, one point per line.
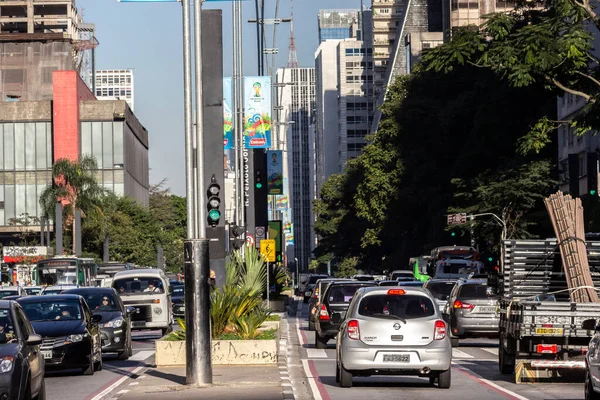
331 313
21 363
70 333
178 299
115 326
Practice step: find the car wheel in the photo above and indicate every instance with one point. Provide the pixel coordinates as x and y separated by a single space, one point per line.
89 369
337 372
345 378
130 348
444 379
42 393
311 325
454 341
320 343
590 393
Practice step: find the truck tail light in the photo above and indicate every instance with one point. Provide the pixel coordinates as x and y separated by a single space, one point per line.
460 304
323 314
440 330
547 349
353 330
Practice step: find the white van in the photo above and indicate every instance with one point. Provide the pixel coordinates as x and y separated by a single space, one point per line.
147 290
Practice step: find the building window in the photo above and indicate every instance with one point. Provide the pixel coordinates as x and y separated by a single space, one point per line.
13 76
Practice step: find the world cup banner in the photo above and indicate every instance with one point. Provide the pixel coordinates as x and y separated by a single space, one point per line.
227 114
257 112
275 172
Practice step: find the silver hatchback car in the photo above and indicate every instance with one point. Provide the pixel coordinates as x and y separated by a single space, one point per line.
393 331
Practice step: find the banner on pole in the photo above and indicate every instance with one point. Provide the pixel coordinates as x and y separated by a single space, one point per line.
257 112
227 114
275 172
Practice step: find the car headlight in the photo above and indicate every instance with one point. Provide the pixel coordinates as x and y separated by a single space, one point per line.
115 323
73 339
157 310
6 364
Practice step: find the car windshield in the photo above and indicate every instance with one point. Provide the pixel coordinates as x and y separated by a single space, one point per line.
7 330
439 289
31 291
53 310
138 285
473 291
52 291
178 290
342 294
401 307
4 293
100 301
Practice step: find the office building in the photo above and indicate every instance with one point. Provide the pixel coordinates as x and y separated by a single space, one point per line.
337 24
115 85
296 97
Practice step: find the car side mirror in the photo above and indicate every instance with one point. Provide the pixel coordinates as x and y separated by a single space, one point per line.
336 318
589 325
446 317
130 310
34 340
96 318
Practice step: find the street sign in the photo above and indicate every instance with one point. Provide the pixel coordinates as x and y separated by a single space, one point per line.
250 240
260 234
267 249
457 219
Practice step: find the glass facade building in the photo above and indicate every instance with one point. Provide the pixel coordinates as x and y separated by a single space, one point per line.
337 24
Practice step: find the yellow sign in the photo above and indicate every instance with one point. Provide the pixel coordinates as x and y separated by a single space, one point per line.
548 331
267 249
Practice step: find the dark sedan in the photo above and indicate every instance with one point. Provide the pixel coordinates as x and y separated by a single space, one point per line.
178 299
115 327
21 363
70 333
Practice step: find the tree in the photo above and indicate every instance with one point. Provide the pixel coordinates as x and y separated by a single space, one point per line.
74 185
551 46
22 224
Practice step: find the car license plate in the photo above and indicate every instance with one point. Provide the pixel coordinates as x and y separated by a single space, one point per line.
138 323
486 309
396 358
549 331
47 354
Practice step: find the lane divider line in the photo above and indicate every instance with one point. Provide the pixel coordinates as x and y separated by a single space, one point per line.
117 383
476 377
317 388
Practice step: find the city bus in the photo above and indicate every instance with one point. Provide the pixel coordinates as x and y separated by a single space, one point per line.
64 270
106 272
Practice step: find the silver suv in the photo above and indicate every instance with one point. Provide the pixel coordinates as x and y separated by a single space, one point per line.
440 289
473 310
393 331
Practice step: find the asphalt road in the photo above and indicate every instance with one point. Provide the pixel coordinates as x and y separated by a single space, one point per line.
71 385
474 375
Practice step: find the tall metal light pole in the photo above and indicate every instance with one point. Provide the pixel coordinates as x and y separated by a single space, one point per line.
187 117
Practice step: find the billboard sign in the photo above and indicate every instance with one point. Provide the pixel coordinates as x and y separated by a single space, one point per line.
275 172
227 114
257 112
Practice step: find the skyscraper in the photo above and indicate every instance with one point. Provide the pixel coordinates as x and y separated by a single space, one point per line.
337 24
296 97
115 85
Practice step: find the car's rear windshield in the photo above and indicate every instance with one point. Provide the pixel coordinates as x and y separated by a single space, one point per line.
407 306
473 291
314 279
339 294
459 269
439 289
402 274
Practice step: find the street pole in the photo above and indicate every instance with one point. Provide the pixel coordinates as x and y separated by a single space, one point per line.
187 117
197 265
236 128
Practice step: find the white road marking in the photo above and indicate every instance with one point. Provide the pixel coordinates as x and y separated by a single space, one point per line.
134 383
123 391
492 350
115 385
500 388
316 353
312 381
141 356
460 354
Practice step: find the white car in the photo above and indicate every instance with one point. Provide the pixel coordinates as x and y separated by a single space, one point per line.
12 291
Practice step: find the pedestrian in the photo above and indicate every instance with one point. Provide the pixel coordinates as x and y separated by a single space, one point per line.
212 280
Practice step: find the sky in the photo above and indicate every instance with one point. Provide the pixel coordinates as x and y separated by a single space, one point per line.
147 37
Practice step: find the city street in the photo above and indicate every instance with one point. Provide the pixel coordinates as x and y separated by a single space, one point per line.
474 375
71 385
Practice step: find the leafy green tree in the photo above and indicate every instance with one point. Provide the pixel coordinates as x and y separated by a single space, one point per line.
346 268
74 184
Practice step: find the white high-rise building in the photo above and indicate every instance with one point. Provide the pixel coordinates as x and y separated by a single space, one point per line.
296 97
115 85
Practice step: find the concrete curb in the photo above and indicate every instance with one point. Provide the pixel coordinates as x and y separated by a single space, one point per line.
284 348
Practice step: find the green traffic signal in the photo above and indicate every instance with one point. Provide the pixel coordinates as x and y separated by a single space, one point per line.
258 185
453 234
490 259
592 192
214 215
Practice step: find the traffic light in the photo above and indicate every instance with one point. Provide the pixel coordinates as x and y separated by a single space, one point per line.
214 202
592 173
235 232
258 182
452 233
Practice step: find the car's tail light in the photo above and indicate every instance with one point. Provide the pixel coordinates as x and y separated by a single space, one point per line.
156 301
323 314
460 304
315 294
353 330
440 330
547 349
396 292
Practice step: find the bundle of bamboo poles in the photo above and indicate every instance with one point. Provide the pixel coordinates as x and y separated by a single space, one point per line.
566 215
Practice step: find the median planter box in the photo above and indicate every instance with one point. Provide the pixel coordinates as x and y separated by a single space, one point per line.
224 352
